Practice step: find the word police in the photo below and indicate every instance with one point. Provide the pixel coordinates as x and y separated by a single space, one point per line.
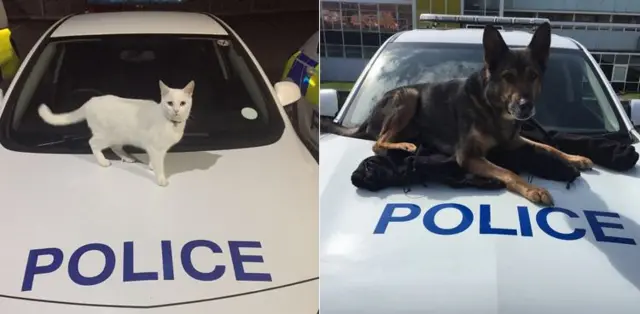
129 274
597 221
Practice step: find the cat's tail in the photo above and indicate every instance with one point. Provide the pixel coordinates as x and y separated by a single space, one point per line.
61 118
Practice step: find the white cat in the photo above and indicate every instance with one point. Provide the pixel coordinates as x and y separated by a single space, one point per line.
116 121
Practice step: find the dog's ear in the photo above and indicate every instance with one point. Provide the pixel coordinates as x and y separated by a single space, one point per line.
494 46
540 44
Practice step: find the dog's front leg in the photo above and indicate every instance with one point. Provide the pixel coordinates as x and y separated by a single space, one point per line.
482 167
580 162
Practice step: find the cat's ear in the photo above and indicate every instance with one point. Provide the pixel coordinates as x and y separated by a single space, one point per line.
164 89
189 88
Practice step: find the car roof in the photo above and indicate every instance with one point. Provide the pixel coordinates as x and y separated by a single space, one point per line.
474 36
114 23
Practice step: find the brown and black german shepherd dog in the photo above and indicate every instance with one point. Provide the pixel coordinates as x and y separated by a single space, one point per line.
468 117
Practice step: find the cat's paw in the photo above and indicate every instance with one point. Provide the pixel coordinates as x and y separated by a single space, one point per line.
104 163
150 167
162 181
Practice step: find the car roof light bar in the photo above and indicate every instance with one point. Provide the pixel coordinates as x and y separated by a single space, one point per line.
482 20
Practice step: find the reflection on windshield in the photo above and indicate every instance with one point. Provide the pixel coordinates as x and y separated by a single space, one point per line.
573 97
66 73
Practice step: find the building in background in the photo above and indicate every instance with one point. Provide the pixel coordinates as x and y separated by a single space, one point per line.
352 30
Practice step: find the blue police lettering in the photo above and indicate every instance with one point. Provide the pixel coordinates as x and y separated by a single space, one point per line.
128 274
429 219
236 250
74 264
394 213
597 226
543 223
185 256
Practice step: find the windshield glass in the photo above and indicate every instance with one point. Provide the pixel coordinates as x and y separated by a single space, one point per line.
65 73
573 97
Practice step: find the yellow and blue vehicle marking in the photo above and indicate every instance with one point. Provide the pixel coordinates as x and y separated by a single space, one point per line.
9 60
304 71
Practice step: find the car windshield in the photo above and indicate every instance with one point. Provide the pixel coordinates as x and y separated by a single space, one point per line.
232 105
573 99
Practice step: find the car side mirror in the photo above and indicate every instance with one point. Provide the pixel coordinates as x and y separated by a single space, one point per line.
632 109
287 92
328 103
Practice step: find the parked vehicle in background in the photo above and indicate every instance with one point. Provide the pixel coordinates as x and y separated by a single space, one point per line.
303 69
9 58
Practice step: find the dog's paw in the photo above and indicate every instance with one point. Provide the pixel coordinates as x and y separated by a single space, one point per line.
407 147
538 195
582 163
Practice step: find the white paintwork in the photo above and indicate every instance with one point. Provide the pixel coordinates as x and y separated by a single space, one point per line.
635 111
139 22
288 92
267 194
310 47
329 101
411 270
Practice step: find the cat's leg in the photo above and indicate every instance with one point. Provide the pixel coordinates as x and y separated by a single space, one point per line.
119 151
97 145
156 162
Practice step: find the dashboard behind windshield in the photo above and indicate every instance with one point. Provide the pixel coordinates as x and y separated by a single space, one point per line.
574 99
66 72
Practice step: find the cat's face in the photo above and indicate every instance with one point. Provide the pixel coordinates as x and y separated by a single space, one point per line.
175 102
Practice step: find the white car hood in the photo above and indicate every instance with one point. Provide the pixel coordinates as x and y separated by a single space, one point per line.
408 269
264 194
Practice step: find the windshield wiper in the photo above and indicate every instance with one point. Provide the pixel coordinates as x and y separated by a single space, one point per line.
621 135
65 140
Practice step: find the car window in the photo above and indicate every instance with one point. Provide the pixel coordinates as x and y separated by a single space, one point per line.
573 98
65 73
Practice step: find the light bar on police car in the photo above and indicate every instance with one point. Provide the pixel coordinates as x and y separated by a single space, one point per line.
477 19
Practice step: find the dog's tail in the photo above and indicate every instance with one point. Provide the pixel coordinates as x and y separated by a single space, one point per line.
328 126
60 119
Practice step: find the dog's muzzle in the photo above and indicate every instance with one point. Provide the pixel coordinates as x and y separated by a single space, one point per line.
522 109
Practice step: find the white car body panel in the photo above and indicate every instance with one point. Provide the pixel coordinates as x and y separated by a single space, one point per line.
62 201
310 47
119 23
307 111
409 269
406 268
